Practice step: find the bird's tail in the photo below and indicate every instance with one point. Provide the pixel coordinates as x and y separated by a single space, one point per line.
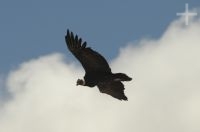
121 77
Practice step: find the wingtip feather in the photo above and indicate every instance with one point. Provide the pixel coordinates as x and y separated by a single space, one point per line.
84 45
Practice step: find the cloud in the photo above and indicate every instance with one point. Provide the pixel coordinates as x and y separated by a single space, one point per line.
3 92
163 96
1 87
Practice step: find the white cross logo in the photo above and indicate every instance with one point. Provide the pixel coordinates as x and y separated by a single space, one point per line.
187 14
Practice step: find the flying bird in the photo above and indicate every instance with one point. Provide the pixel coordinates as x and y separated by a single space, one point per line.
97 70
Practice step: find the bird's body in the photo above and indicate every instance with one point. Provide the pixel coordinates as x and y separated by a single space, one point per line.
97 70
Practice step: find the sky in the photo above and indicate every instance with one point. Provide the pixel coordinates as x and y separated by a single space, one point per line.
29 29
147 41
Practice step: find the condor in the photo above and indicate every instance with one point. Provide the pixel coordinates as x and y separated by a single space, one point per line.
97 70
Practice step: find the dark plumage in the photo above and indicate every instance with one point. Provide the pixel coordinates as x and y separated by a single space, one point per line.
97 70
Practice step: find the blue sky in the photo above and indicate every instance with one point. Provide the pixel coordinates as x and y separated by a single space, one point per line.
29 29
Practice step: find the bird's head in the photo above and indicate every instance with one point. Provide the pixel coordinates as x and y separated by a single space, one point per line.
80 82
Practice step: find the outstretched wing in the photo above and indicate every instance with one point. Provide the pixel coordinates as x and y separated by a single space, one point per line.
113 88
91 60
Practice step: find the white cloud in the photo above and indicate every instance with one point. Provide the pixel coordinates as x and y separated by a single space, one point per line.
1 87
163 96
